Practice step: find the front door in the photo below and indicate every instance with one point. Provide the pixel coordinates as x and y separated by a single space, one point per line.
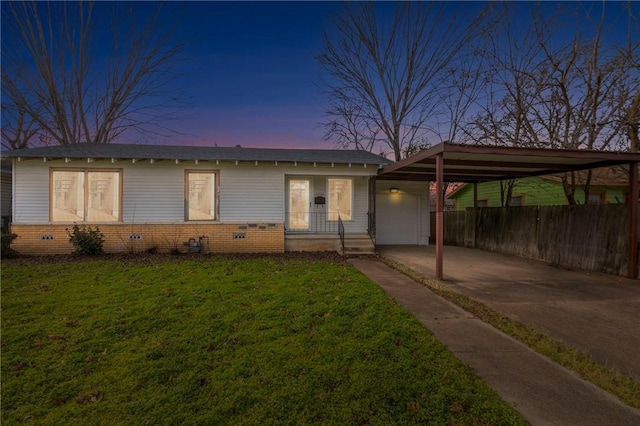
299 205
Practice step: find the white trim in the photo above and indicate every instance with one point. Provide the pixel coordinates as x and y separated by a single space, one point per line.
352 206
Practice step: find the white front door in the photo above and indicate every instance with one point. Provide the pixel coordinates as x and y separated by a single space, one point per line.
299 192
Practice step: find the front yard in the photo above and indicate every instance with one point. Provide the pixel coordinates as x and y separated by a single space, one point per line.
218 340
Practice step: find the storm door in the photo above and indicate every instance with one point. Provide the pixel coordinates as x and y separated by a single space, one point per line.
299 198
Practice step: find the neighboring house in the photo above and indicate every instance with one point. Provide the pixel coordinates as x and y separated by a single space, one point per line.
218 199
449 204
608 185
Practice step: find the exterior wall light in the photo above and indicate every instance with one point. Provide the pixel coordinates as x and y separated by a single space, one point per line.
394 190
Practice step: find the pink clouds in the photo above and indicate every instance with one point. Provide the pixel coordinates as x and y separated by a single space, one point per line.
273 127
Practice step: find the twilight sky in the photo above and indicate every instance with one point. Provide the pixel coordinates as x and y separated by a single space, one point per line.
249 74
252 76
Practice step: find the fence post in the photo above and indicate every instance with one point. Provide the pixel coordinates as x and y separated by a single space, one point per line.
470 227
633 220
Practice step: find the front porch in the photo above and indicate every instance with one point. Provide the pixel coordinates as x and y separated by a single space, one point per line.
327 231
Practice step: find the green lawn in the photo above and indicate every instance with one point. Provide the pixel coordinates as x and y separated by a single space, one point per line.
220 340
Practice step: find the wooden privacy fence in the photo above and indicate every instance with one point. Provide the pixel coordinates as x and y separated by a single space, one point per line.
592 237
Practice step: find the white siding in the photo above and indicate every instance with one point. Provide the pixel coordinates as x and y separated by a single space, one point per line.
250 192
151 192
154 193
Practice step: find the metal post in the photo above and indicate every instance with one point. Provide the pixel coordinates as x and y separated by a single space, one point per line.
633 220
439 216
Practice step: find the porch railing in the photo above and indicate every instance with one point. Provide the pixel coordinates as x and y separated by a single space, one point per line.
315 222
371 226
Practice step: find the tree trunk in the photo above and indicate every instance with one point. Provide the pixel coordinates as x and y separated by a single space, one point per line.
569 188
633 124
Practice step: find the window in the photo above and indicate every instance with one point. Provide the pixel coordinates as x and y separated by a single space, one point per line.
450 205
596 197
482 202
85 195
340 201
516 200
201 195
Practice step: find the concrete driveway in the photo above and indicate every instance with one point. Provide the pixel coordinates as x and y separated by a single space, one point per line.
596 313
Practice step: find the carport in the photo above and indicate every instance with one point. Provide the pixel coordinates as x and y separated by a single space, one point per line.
447 162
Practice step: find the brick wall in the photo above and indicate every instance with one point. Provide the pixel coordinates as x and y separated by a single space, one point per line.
120 238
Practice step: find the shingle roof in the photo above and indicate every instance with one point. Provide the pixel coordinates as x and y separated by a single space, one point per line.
172 152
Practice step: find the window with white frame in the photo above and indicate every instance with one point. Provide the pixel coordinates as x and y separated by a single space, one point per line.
340 200
201 195
79 195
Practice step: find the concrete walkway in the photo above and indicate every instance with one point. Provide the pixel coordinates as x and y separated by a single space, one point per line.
596 313
545 393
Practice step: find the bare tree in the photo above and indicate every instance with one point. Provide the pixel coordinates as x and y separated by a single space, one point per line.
588 86
458 95
555 93
384 74
631 55
17 129
631 119
509 55
66 81
349 126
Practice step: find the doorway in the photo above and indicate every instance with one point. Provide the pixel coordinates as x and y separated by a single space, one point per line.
299 205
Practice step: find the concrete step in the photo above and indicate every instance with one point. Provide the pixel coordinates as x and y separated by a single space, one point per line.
358 246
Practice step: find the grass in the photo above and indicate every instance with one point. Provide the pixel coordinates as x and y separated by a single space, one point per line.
224 341
625 387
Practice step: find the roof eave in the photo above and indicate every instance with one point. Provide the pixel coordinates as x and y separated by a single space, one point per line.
20 158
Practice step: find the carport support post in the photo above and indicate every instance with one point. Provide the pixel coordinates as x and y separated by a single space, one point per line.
633 220
475 214
439 217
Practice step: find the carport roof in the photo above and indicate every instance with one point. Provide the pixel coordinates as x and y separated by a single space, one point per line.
449 162
472 163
